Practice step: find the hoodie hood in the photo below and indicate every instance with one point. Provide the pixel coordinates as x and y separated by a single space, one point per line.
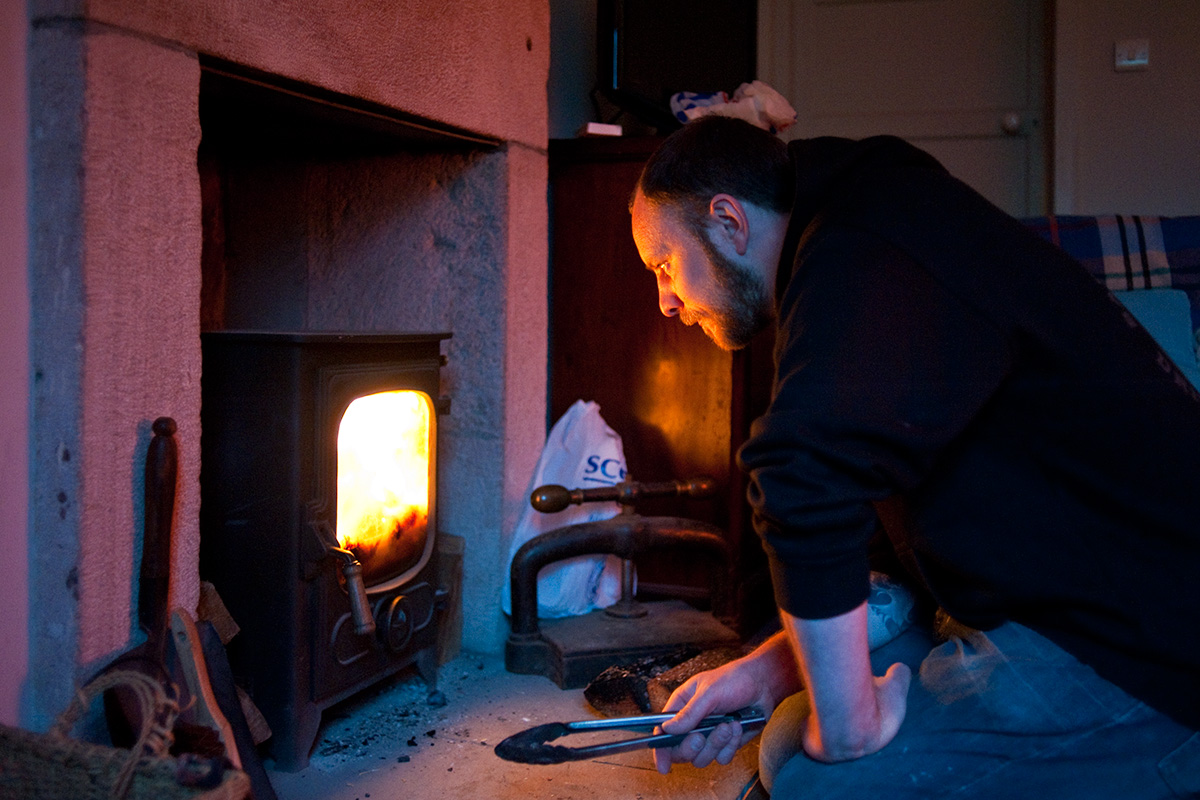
828 169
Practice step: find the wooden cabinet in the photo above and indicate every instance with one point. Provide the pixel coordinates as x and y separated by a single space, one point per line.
681 405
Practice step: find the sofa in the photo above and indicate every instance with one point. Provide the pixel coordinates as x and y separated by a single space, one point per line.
1151 264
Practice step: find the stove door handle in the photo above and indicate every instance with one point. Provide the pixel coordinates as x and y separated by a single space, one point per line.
360 609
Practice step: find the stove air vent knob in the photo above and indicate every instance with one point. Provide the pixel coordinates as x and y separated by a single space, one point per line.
394 623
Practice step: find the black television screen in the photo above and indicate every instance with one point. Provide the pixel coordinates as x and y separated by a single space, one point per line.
648 50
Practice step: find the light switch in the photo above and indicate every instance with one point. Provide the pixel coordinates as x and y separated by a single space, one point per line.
1131 54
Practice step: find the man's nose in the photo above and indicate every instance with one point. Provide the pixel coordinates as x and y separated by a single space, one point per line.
668 302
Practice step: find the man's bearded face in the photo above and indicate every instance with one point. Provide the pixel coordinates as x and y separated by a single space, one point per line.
696 281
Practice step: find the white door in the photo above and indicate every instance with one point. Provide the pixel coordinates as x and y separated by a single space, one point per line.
962 79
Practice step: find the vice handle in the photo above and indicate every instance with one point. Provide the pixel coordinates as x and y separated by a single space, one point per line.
552 497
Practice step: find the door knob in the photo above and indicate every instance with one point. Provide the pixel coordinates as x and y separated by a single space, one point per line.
1010 123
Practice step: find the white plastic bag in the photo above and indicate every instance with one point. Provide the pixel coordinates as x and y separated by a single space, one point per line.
581 452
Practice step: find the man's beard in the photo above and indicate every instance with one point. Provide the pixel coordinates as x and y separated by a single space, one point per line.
744 308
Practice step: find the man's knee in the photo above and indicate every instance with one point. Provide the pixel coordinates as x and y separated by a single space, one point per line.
781 738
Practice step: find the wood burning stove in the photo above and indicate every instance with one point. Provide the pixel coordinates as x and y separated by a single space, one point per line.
318 514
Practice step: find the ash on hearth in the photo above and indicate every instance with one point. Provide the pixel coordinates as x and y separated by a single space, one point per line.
397 718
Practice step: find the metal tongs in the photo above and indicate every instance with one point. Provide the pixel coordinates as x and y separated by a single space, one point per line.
529 746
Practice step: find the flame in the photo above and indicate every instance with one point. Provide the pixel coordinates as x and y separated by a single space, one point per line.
383 475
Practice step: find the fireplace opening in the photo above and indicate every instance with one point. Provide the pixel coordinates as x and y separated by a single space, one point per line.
319 209
335 232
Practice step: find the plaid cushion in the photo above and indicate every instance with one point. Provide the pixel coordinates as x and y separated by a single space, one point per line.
1132 252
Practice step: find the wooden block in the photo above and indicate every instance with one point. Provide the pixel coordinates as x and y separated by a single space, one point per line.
213 609
206 711
260 730
660 687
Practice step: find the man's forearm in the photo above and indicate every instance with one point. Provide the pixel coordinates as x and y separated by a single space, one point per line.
776 661
853 713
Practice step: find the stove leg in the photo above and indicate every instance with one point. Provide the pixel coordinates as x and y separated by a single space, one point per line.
290 748
427 668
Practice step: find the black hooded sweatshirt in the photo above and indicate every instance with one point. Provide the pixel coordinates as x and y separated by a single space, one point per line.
934 353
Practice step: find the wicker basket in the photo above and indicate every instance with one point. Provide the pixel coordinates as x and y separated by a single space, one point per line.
53 766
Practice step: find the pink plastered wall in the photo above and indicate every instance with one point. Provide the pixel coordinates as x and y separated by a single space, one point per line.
14 362
115 243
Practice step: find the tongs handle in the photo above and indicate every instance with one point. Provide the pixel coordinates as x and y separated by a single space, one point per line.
530 746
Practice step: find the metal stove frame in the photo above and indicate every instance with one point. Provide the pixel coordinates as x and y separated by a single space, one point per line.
271 405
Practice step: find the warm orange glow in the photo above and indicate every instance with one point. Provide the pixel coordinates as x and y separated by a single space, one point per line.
383 479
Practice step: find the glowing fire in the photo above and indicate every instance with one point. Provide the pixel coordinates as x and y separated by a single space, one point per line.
383 480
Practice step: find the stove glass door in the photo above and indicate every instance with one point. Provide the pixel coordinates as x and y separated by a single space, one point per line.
383 481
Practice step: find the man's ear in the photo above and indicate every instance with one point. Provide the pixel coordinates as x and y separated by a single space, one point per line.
731 219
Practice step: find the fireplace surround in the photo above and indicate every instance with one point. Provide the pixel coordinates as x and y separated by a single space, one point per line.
456 241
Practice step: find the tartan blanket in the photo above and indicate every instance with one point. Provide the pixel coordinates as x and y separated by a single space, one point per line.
1127 252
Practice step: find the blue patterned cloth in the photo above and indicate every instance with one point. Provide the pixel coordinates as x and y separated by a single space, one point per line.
682 102
890 610
1132 252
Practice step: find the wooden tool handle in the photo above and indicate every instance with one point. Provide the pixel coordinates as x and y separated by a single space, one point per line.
161 466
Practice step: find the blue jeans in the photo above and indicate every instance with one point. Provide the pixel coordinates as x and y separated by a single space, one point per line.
1006 714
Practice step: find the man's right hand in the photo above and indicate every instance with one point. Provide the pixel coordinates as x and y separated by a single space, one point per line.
853 713
762 679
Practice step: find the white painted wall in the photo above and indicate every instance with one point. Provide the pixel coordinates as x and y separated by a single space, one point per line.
1127 142
572 66
1124 142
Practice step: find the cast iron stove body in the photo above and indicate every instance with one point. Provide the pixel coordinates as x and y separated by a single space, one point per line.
276 409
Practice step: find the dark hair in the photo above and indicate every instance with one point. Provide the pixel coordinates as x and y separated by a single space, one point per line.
717 154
